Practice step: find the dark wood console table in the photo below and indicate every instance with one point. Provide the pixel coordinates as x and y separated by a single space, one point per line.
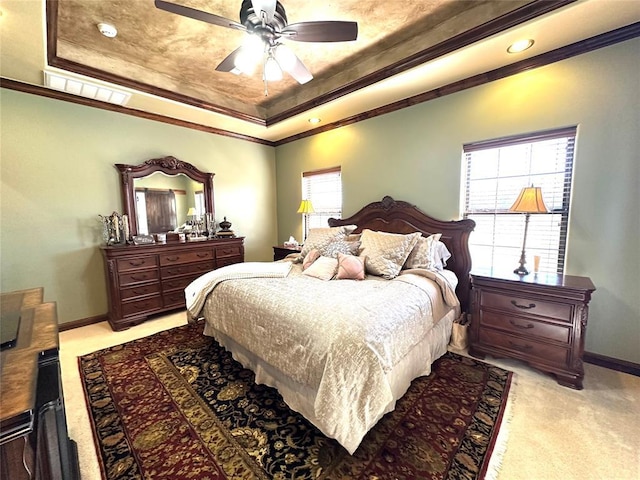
33 432
144 280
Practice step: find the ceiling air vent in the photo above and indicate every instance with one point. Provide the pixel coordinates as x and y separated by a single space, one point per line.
75 86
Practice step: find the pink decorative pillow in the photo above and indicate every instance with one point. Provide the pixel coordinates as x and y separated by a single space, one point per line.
311 257
350 267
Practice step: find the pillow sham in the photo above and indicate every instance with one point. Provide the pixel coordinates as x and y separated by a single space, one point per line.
424 254
323 268
320 238
386 252
341 246
443 255
350 267
311 257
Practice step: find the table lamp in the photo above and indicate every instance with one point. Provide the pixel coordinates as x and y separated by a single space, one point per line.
529 201
305 209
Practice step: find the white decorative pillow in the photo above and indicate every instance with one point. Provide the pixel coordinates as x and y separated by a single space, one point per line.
341 246
323 268
424 254
443 254
320 238
311 257
386 252
350 267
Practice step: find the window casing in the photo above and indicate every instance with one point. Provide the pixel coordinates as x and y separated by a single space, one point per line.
324 189
496 171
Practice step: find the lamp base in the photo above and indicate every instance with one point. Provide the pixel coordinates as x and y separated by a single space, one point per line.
521 270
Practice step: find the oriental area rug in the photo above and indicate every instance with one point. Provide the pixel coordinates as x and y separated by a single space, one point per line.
175 405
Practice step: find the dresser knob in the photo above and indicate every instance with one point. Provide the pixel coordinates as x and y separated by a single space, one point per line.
524 307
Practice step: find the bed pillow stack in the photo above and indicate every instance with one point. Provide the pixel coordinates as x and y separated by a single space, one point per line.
328 241
429 253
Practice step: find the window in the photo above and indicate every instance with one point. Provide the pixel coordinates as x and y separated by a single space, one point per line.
496 172
324 189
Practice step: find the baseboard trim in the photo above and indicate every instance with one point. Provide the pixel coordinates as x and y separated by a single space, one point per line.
612 363
83 322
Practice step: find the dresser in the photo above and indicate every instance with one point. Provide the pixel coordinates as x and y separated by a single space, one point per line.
34 443
537 318
144 280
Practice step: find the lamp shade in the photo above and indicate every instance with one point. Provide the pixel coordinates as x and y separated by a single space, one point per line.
191 212
306 207
529 201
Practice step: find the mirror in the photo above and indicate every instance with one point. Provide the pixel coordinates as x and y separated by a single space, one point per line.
158 193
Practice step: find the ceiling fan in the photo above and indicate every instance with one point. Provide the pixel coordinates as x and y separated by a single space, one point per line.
265 22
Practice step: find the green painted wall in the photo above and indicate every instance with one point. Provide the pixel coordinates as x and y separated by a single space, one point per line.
57 174
415 155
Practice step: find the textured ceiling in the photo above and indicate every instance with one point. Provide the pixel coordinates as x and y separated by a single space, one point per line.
179 54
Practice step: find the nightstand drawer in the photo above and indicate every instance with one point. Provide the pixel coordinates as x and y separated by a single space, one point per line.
525 347
526 306
526 326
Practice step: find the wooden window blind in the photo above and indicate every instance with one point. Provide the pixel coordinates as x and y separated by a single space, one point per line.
324 189
496 172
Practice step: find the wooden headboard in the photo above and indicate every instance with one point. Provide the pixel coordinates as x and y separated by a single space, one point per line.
396 216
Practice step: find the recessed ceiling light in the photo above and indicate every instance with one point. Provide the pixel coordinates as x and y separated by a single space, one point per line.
314 120
107 30
520 46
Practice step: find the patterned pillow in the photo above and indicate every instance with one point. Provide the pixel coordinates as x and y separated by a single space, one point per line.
424 254
350 267
323 268
320 238
386 252
341 246
311 257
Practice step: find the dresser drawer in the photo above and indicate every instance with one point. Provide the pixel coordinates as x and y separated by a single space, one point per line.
138 277
522 305
177 270
221 262
177 283
136 263
526 327
141 306
228 251
174 299
185 257
541 352
140 290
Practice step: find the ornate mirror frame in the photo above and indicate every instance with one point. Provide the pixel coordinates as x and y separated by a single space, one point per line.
168 165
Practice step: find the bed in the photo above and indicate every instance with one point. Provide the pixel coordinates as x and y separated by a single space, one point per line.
342 352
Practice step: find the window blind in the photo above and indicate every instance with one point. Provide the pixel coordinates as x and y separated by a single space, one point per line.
324 189
496 172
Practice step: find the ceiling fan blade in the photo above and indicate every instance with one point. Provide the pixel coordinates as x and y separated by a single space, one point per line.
323 31
264 9
298 71
229 63
198 15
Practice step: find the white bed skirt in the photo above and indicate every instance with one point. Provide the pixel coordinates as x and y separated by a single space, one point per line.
301 398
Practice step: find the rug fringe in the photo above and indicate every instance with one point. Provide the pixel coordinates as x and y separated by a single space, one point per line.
500 446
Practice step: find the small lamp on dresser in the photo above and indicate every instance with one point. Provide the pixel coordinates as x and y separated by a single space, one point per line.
529 201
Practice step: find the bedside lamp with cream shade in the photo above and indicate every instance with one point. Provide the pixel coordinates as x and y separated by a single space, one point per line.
529 201
305 209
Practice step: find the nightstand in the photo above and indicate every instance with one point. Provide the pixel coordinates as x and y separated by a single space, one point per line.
537 318
280 251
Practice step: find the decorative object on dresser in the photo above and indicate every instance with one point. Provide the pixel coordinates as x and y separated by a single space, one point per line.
225 229
144 280
281 251
540 319
529 201
34 442
115 228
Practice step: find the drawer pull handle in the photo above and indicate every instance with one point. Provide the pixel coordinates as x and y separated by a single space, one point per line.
138 279
203 255
517 325
523 307
522 348
172 259
136 263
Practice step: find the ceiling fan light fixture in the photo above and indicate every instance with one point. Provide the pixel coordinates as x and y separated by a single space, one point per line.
285 57
272 71
250 54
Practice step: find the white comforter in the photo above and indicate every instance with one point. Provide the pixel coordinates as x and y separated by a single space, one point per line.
339 337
